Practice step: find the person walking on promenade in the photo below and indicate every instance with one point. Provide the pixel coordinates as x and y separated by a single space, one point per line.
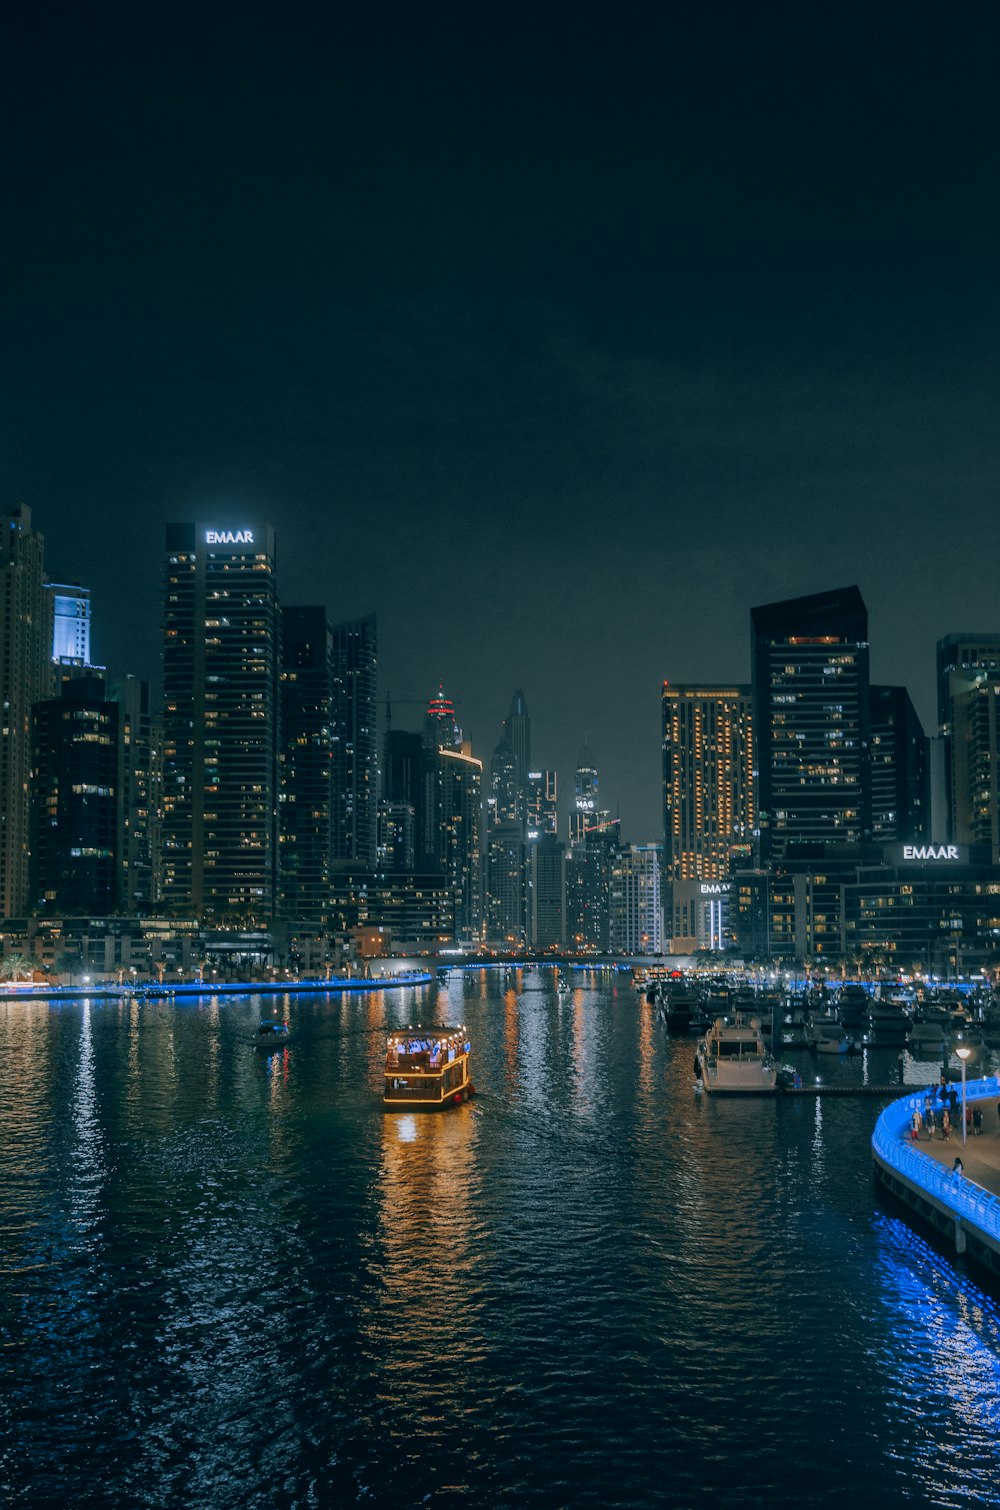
958 1167
930 1121
915 1125
977 1120
945 1125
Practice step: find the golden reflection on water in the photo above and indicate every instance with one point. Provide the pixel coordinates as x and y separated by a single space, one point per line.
511 1041
430 1254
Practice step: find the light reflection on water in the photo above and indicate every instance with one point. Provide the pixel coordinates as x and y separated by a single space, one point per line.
233 1279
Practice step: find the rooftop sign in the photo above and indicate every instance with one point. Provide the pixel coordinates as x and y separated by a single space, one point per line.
229 537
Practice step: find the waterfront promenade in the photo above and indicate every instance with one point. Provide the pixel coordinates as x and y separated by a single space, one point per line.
980 1155
966 1206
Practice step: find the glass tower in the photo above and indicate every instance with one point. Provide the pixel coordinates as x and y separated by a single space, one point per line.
220 722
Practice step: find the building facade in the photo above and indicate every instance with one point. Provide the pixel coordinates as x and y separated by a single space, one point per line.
355 741
78 827
220 722
25 678
708 806
636 911
306 765
810 705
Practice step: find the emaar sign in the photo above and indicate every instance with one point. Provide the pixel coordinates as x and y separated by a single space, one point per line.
229 537
931 852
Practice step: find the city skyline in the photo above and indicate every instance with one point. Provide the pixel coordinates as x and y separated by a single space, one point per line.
483 712
560 349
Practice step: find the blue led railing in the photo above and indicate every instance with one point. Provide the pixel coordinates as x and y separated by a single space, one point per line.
891 1141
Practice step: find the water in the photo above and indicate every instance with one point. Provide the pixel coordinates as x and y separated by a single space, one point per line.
229 1280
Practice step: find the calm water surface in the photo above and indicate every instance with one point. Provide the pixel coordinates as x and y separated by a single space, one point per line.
231 1280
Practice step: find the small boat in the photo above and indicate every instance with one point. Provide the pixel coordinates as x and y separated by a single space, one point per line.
427 1069
732 1059
272 1034
827 1036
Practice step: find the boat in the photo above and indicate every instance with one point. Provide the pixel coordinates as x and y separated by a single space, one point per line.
427 1069
272 1034
827 1036
732 1059
679 1006
887 1022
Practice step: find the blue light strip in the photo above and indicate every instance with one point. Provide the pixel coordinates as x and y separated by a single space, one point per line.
891 1141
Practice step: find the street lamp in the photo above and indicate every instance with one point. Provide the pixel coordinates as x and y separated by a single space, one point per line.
963 1054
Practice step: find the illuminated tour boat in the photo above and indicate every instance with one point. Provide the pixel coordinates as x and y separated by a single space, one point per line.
732 1059
427 1069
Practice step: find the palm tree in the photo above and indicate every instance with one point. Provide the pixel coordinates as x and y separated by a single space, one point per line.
16 967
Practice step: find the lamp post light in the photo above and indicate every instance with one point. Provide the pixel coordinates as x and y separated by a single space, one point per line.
963 1054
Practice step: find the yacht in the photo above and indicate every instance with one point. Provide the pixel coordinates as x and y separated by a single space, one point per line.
732 1059
827 1036
427 1069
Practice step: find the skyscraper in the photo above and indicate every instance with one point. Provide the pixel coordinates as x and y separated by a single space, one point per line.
811 722
70 623
968 668
541 799
460 777
305 809
441 730
547 892
517 731
78 813
137 802
355 742
900 769
25 678
636 914
708 810
220 721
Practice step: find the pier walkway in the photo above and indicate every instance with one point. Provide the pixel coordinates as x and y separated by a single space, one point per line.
965 1206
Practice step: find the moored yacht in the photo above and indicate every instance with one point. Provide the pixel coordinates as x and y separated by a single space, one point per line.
732 1059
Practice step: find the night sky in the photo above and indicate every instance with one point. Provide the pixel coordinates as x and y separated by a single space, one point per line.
559 338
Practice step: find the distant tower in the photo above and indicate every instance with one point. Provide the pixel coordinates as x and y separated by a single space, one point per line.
517 729
441 731
70 624
25 678
503 807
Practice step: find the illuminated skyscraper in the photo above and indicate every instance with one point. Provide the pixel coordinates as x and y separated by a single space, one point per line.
707 805
220 722
441 729
636 914
25 678
811 722
70 623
